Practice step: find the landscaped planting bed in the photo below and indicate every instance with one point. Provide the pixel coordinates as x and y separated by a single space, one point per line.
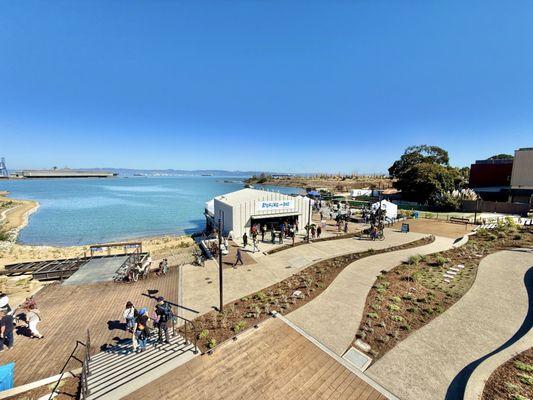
512 380
324 239
412 294
214 328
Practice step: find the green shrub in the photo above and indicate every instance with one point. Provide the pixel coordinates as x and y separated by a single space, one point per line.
406 327
517 237
3 235
523 366
203 334
372 315
211 343
381 290
407 296
519 397
260 296
396 299
526 379
239 326
413 260
393 307
376 306
440 260
397 318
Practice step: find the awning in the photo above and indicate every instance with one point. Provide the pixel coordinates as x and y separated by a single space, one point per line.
265 216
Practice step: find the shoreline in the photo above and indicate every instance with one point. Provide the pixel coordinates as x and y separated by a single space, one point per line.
14 219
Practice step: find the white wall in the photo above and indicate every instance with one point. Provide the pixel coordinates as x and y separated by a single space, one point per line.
238 217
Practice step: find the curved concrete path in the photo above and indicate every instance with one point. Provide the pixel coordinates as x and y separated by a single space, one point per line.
334 316
201 295
488 317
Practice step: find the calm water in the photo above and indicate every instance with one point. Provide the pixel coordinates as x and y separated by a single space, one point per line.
83 211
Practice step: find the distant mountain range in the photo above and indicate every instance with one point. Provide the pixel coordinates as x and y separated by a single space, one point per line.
159 172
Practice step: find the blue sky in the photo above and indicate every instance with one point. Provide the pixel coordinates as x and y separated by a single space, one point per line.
295 86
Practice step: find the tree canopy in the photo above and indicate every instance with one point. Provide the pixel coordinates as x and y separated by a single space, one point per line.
501 156
423 174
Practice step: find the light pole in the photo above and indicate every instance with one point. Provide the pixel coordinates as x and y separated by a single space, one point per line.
309 221
220 280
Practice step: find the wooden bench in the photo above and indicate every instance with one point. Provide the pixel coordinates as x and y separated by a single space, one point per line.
459 220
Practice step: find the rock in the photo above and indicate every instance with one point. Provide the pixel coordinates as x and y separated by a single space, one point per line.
362 345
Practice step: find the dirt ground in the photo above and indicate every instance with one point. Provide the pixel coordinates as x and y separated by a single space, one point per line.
435 227
334 183
412 294
509 380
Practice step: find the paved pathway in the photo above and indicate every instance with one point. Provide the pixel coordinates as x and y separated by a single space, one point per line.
334 316
200 285
424 365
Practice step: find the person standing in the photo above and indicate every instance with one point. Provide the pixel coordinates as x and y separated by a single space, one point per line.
244 240
345 226
256 247
4 302
7 328
164 312
33 318
280 237
141 330
273 235
238 258
129 316
263 232
318 231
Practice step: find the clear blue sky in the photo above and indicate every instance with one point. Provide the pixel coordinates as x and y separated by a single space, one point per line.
263 85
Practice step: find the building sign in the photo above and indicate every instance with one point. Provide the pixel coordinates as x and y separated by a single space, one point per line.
274 205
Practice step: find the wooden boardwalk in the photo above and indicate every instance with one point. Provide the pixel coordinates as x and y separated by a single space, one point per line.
272 362
67 313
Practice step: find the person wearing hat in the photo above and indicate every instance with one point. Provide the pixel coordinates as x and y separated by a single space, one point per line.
141 329
164 312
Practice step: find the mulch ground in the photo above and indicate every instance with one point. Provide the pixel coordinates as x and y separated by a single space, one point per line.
512 380
412 294
214 328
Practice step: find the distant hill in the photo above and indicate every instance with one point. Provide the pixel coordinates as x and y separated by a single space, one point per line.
170 172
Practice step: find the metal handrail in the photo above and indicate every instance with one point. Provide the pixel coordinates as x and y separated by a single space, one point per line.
86 359
185 331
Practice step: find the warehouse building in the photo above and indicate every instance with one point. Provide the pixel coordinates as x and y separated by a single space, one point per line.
238 211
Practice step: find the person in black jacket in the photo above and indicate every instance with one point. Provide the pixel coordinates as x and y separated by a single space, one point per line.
164 312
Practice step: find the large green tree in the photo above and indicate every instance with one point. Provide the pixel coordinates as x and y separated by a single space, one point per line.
423 174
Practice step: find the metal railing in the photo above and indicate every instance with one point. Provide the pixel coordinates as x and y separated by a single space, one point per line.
194 331
84 391
85 371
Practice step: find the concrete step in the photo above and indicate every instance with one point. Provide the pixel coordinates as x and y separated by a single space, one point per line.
118 371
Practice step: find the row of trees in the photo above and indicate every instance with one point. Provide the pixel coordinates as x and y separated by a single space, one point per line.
423 174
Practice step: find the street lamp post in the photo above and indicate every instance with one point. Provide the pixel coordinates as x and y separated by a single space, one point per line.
220 280
309 222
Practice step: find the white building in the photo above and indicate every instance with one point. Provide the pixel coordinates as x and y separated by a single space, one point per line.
391 209
238 210
360 192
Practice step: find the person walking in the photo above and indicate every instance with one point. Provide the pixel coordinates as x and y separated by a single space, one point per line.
263 232
129 316
313 231
244 240
256 248
141 330
345 226
33 318
7 328
238 258
318 231
164 312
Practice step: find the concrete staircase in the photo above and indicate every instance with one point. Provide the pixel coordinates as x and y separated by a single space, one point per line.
119 371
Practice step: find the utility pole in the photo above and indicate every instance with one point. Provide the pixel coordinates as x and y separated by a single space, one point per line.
309 222
220 280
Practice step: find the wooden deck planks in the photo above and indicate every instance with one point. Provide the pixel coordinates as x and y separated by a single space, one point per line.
274 362
68 311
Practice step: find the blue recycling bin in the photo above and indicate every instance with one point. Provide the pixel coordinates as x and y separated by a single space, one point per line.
415 215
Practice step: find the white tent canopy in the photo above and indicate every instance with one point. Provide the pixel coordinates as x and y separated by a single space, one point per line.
391 209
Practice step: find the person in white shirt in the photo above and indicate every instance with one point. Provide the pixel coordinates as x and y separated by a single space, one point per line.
129 316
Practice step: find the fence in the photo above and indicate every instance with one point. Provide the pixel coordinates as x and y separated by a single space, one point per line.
495 207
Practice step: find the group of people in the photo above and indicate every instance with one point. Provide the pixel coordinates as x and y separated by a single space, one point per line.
29 317
138 323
